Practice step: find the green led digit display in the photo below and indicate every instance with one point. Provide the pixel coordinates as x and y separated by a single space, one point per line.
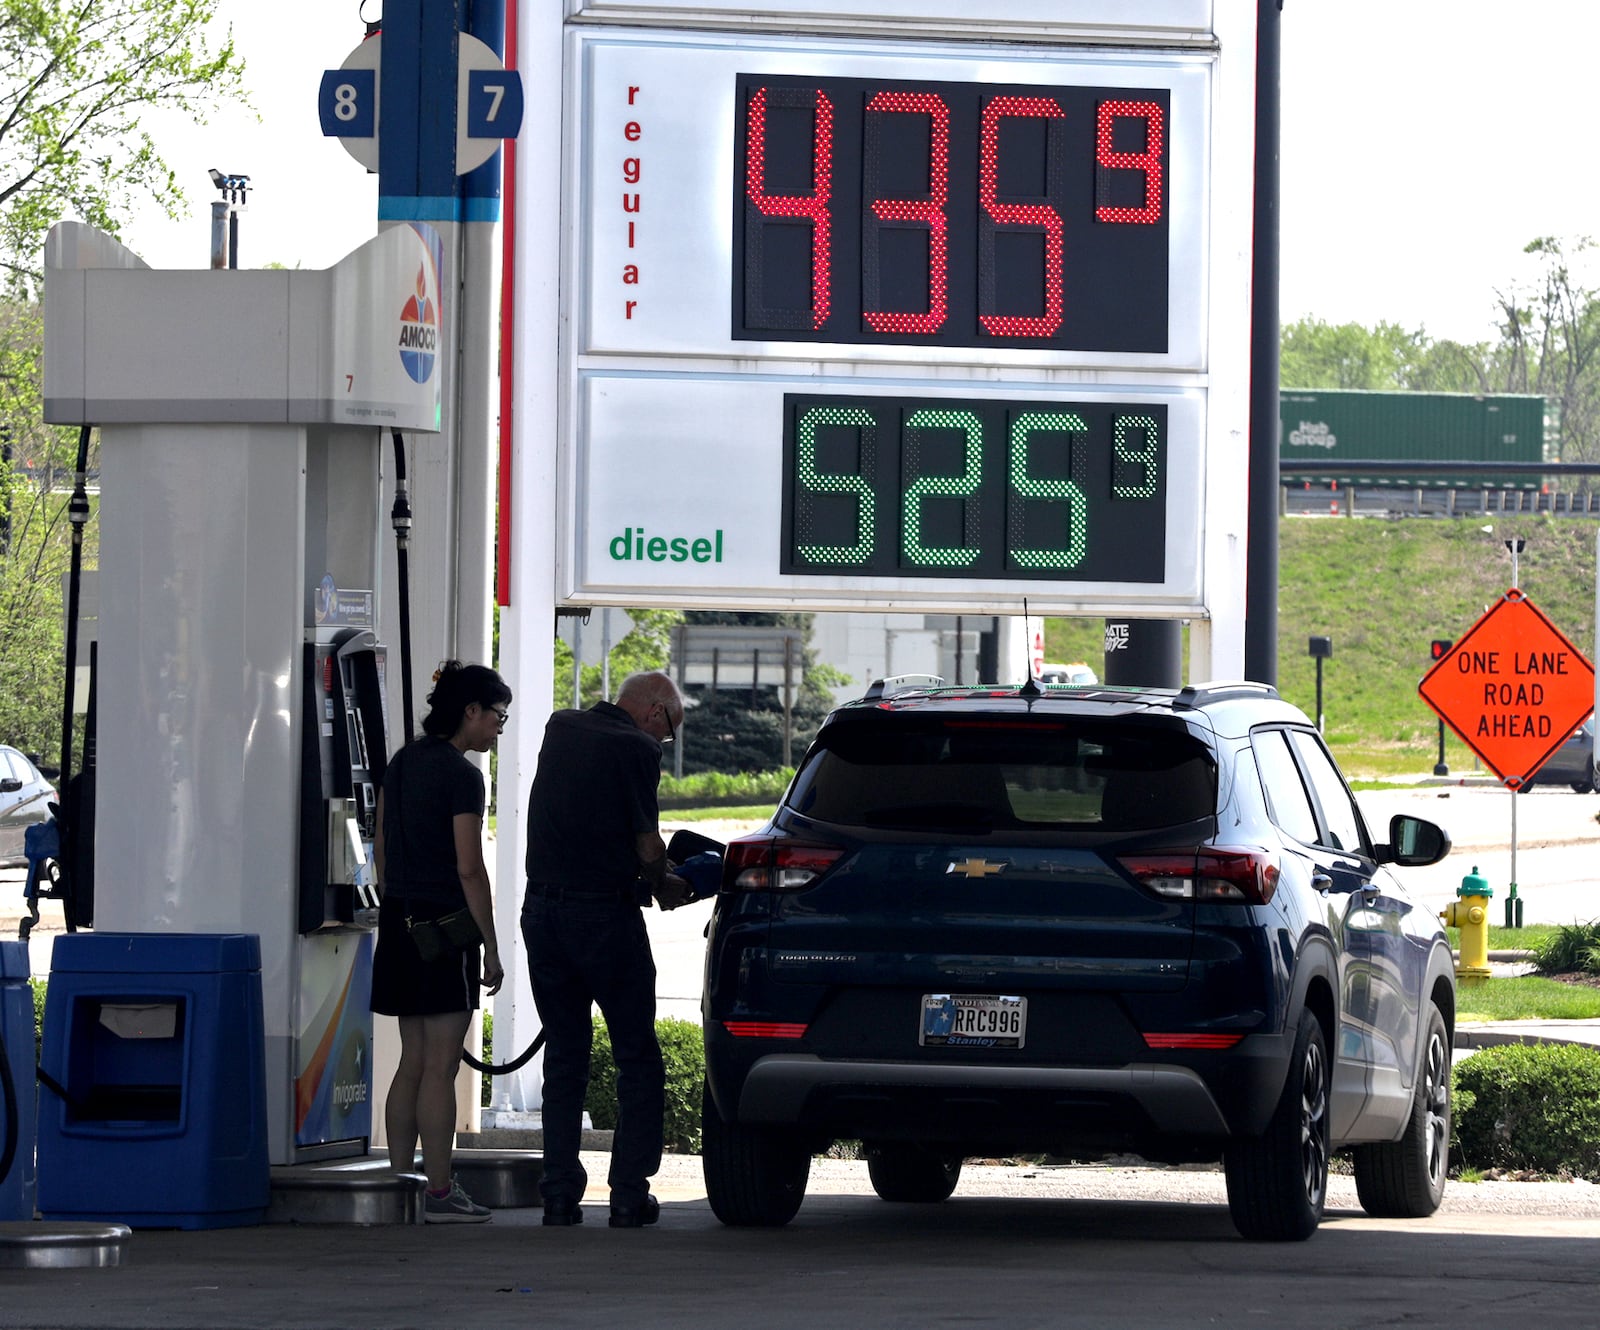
1134 438
963 487
815 485
924 487
1070 440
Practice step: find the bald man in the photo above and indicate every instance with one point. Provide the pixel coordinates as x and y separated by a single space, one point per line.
595 854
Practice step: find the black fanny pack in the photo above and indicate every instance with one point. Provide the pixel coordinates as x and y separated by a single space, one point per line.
434 938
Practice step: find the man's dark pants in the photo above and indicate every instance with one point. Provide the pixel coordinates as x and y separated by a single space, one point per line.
584 949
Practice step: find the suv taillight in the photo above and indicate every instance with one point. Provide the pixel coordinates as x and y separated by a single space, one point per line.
770 863
1217 874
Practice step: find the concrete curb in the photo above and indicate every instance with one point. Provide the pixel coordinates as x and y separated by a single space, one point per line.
525 1138
1582 1033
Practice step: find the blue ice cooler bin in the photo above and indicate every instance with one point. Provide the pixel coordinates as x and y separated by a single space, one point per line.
17 1111
157 1117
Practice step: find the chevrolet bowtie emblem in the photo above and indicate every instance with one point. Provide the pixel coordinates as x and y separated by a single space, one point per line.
974 868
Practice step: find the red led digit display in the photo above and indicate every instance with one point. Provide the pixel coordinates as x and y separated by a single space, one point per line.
1020 217
811 207
919 212
950 214
1108 161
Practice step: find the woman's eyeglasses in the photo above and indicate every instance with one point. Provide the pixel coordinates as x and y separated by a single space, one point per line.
500 714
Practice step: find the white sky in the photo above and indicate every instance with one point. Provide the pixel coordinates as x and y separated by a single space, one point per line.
1425 143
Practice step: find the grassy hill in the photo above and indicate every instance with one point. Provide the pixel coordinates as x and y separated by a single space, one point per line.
1382 590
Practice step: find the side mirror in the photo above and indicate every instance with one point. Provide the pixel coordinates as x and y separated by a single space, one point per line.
1413 842
10 785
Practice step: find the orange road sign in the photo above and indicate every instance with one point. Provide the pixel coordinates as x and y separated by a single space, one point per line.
1513 687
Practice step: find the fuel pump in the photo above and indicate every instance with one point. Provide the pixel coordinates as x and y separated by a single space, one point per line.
242 724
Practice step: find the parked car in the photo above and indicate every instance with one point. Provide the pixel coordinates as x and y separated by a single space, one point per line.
1076 673
987 921
25 798
1571 764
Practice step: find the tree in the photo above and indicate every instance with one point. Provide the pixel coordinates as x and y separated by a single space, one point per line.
35 548
1550 332
647 646
1385 358
1314 354
76 76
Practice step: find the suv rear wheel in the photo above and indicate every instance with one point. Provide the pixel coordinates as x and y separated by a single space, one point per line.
907 1172
1278 1182
755 1176
1404 1179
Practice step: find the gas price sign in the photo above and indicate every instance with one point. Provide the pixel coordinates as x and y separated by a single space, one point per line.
922 325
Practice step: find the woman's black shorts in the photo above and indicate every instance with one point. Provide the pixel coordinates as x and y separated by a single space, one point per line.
403 984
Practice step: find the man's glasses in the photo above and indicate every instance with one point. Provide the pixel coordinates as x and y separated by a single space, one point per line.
672 730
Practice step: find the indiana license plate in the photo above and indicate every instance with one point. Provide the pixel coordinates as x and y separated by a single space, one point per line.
973 1020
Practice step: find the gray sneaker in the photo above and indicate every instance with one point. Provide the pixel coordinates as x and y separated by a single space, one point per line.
456 1208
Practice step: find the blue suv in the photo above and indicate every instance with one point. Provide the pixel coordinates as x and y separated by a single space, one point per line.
1077 921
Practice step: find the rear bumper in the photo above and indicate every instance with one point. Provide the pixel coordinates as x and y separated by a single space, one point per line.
1184 1101
781 1088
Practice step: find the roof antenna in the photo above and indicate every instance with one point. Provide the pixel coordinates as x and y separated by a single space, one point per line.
1031 687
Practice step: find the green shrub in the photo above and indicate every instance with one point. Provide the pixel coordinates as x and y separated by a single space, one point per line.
710 788
1463 1104
38 1018
486 1095
683 1050
1530 1106
1569 947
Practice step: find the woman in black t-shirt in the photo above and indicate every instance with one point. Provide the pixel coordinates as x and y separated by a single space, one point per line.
429 858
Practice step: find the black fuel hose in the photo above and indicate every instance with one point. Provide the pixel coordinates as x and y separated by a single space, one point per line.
502 1068
78 516
400 518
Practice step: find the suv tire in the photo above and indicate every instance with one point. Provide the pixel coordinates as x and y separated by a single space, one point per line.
1278 1181
901 1171
755 1176
1404 1179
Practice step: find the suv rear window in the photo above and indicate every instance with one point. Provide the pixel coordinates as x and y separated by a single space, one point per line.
975 773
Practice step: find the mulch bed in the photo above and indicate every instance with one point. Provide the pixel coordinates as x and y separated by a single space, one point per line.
1587 978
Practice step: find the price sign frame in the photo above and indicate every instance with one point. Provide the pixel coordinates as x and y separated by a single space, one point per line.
673 433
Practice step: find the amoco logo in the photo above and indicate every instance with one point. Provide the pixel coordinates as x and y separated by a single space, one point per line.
419 332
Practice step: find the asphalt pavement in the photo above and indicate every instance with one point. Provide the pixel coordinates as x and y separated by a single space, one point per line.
1017 1246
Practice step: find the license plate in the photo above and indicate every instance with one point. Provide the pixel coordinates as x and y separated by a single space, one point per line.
973 1020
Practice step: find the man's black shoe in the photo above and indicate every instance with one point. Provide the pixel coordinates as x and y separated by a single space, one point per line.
636 1216
561 1214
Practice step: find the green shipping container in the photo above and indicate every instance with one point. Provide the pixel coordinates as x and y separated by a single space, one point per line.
1332 425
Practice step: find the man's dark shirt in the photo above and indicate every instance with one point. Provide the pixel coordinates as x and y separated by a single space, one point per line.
593 794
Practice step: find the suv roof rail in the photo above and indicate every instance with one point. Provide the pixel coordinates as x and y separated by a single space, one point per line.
900 683
1200 694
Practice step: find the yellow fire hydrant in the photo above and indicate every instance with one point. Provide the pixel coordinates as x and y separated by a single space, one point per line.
1470 913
